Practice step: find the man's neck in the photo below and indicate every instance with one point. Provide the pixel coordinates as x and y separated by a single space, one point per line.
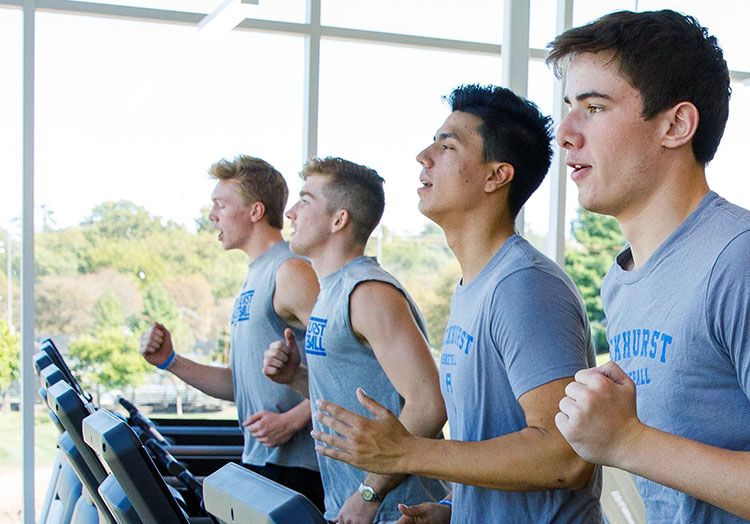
475 239
261 241
648 226
332 257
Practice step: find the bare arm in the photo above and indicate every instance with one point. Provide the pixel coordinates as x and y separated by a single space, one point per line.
296 292
402 351
534 458
156 347
281 363
598 417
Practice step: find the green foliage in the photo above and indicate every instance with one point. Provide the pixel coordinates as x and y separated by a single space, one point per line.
158 306
9 356
109 358
599 240
108 314
121 220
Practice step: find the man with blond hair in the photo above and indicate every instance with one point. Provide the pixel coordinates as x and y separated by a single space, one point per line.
278 294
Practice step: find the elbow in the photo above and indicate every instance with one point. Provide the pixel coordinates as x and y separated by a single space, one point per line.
575 474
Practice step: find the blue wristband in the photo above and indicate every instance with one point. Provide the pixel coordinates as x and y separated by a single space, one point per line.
446 502
166 363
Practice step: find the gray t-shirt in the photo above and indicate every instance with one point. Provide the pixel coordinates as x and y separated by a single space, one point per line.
255 325
338 364
680 327
518 325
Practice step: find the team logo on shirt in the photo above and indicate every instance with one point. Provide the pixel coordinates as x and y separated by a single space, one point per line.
314 336
459 337
642 344
241 309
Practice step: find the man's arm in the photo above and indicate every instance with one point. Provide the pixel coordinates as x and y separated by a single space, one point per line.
381 318
535 458
598 417
281 363
156 348
296 292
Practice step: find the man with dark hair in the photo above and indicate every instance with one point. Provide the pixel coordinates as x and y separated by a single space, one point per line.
649 96
278 294
364 330
516 335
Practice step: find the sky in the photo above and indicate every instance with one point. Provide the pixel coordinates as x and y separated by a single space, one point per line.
139 111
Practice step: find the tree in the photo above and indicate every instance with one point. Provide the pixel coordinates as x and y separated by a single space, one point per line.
9 359
121 220
108 313
158 306
108 359
599 240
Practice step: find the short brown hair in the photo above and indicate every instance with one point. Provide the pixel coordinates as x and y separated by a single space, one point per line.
258 181
353 187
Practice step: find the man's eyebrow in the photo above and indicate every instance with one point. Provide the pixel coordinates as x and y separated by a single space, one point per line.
588 94
444 135
305 194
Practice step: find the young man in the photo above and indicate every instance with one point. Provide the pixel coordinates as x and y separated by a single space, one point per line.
649 98
516 335
364 330
278 294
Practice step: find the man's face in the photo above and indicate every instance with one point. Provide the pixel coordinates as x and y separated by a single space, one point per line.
230 215
311 221
611 148
453 169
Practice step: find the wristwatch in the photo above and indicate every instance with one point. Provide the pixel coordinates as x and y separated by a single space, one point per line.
369 494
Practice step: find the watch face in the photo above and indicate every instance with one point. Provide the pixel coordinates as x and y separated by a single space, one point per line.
368 494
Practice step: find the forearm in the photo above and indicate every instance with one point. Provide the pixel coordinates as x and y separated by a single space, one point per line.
421 418
211 380
527 460
718 476
300 415
299 382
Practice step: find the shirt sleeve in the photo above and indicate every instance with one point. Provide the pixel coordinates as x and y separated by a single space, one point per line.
539 328
728 306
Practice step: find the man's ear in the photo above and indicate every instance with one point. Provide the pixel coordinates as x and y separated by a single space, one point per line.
501 175
257 211
680 123
340 218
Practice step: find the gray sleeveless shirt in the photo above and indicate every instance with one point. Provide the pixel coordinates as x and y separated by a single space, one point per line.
254 326
338 363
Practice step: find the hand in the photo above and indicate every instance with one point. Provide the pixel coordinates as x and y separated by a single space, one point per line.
156 345
269 428
372 445
281 360
425 513
357 511
598 415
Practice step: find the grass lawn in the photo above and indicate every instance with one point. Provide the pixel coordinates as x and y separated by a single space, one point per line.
45 439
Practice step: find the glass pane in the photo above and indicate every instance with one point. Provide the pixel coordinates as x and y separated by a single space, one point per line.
728 173
126 131
381 105
536 210
542 25
472 20
585 11
280 10
11 87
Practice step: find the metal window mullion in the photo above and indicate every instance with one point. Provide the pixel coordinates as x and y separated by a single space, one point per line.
312 81
27 264
558 171
515 57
